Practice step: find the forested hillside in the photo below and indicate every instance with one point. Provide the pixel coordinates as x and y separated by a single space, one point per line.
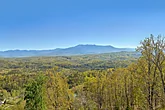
111 81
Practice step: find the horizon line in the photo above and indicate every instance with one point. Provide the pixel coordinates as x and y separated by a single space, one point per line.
16 49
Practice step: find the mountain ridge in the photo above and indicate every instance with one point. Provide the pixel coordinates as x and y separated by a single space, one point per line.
81 49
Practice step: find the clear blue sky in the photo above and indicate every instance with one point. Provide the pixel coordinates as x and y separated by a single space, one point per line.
47 24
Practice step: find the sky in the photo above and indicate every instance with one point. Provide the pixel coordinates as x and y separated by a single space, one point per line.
49 24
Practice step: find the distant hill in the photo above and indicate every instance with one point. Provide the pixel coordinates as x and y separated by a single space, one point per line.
77 50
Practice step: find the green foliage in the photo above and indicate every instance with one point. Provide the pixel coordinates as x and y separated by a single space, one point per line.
112 81
34 94
57 90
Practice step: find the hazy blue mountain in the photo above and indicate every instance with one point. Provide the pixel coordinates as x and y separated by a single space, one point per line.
77 50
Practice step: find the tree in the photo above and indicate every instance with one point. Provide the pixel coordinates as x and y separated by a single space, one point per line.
57 91
34 94
152 50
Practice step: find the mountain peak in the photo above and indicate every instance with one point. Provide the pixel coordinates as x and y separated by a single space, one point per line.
93 45
86 45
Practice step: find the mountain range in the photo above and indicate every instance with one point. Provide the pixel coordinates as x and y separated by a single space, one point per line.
76 50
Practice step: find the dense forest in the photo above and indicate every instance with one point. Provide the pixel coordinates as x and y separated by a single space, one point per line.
110 81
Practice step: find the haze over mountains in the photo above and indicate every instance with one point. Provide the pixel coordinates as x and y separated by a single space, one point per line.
76 50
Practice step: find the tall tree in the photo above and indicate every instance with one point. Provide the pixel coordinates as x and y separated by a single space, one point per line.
57 90
152 50
34 94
